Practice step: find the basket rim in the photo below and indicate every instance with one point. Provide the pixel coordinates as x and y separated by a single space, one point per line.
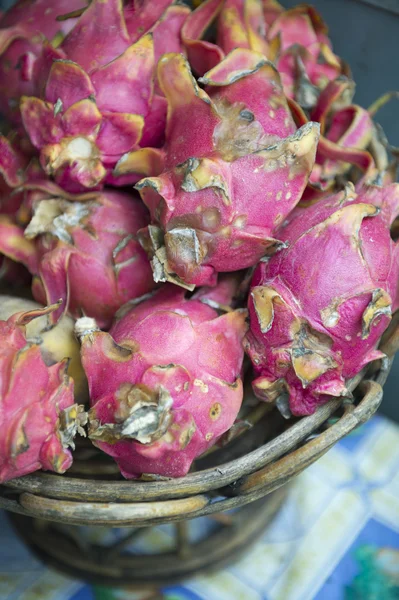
246 489
207 480
61 486
232 484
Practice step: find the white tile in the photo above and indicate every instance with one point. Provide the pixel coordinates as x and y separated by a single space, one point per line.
321 548
222 586
379 458
385 507
260 567
335 467
51 586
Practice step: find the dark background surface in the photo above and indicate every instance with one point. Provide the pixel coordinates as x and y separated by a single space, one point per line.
367 37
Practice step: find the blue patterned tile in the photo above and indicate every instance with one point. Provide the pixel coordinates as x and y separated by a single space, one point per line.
334 539
374 534
85 593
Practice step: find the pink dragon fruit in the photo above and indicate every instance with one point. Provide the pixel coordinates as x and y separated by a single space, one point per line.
202 55
21 32
295 39
38 416
311 74
235 167
94 99
13 164
240 24
83 251
56 342
20 172
304 53
319 307
346 133
15 168
173 383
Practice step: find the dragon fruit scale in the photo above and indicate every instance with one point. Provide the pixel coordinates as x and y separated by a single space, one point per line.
304 55
56 342
94 96
83 251
235 167
346 134
21 177
319 307
173 383
15 167
38 414
313 78
295 39
22 29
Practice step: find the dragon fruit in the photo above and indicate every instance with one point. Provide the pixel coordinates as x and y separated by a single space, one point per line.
83 251
346 132
13 164
235 167
344 144
56 343
21 33
94 97
173 384
239 24
304 53
38 416
20 175
296 39
311 74
319 307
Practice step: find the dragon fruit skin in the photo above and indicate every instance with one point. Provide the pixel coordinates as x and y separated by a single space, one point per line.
19 170
304 51
83 251
344 144
319 307
235 167
21 31
55 342
81 138
295 39
40 16
346 132
178 364
202 54
95 99
13 163
38 416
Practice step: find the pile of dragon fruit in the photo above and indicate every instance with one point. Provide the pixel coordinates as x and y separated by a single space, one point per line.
181 187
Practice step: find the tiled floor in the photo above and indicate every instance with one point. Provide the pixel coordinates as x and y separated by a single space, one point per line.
336 538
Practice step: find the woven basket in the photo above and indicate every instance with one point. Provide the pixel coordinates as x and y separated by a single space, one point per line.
257 463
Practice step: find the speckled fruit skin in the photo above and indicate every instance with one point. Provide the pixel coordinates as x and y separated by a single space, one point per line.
88 99
82 249
235 166
316 82
296 40
319 307
56 342
38 417
173 381
22 30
